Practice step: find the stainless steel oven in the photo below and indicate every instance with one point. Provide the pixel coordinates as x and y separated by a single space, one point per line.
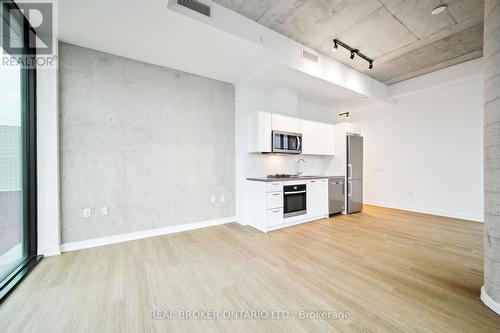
287 143
294 200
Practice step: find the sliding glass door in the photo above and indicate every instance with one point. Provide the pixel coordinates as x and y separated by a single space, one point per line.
17 157
11 170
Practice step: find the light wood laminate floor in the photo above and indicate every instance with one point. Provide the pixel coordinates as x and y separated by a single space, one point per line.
394 271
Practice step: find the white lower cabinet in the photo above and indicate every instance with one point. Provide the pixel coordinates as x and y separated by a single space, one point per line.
312 198
317 198
265 204
323 197
274 200
274 217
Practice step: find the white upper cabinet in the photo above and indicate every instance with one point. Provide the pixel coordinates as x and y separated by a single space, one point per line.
284 123
309 137
259 132
317 138
326 139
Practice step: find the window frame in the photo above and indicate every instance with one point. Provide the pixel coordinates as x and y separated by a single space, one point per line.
28 89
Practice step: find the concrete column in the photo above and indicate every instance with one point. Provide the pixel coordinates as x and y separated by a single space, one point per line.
491 291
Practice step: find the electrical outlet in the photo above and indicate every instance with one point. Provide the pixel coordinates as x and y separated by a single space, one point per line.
87 212
222 198
104 211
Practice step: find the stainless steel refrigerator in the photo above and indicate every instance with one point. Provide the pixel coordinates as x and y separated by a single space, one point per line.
354 173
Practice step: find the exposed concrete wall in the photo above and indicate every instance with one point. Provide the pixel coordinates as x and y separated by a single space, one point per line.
151 143
492 148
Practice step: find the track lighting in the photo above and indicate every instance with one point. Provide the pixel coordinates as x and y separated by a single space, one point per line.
354 52
346 114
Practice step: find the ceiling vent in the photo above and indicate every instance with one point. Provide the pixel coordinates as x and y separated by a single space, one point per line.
196 6
310 56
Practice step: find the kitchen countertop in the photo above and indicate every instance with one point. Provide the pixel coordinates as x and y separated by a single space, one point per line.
265 179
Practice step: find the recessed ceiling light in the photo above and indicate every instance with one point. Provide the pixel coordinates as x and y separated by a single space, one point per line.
439 10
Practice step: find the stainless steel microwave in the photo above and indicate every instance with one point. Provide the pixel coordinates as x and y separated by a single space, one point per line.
287 143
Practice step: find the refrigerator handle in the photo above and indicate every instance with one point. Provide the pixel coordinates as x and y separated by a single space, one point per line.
349 189
349 171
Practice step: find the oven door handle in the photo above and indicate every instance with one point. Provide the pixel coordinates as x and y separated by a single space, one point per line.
297 192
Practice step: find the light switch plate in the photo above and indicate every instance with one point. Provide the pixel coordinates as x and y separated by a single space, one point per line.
87 212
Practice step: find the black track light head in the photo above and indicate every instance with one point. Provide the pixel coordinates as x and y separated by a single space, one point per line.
354 52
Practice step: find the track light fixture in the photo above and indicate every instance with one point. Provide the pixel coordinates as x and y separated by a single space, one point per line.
354 52
346 114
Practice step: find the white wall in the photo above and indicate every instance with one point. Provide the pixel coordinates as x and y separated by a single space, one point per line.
424 153
260 165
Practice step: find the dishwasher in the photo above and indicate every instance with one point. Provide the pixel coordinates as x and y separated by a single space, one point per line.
336 196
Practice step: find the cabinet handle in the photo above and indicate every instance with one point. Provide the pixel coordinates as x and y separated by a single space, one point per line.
276 211
276 183
276 194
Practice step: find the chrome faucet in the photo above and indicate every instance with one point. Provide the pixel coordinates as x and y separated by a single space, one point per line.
298 166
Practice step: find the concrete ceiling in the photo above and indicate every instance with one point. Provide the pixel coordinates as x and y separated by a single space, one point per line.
401 35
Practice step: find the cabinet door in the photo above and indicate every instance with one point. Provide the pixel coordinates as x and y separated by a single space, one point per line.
312 198
274 217
323 197
285 123
326 139
274 200
259 132
309 137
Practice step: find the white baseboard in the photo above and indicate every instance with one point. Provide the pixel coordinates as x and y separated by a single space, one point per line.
49 251
489 302
468 217
85 244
